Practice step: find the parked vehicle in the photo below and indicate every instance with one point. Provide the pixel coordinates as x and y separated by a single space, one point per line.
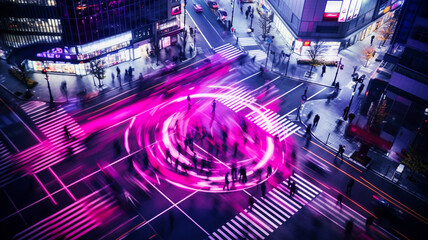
212 4
221 15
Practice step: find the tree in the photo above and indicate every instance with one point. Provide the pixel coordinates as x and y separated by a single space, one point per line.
97 70
265 24
386 32
368 53
315 51
415 160
377 116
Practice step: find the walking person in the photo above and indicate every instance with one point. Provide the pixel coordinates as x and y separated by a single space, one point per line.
168 155
360 89
293 189
246 14
345 111
112 77
214 105
118 71
308 130
241 9
339 200
337 86
67 134
371 40
316 120
250 203
195 161
323 70
188 103
234 172
348 227
263 188
340 151
269 171
349 186
226 181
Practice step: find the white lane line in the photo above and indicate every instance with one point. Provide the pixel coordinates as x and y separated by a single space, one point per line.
316 93
273 100
206 40
213 28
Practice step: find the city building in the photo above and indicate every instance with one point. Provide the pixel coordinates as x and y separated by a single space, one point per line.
402 80
337 23
65 36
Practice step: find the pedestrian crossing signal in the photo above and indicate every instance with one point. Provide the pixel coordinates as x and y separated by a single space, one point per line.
341 66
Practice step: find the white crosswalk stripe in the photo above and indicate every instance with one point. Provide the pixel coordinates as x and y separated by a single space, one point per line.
4 152
260 55
74 221
228 51
268 213
55 149
249 68
273 123
247 41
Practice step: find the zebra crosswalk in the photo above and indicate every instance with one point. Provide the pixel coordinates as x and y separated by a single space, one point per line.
268 213
74 221
247 41
4 152
273 123
270 121
228 51
237 99
49 152
259 54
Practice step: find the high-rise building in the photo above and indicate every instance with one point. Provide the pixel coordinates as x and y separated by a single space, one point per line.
337 23
64 35
402 79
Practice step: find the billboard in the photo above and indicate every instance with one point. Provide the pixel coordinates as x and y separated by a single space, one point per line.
344 10
176 10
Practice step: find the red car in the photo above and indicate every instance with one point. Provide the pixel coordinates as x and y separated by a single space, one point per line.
197 8
212 4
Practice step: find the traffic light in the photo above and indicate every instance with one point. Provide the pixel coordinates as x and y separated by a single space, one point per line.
341 66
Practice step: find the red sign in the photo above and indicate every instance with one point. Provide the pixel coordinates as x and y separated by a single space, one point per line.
331 16
175 10
307 43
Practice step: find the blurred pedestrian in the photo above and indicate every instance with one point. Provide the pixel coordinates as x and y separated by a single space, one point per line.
369 222
234 172
195 161
235 150
309 116
188 102
308 140
339 200
308 130
118 71
241 174
246 14
349 186
348 227
293 189
345 111
250 200
371 40
269 171
241 9
263 188
340 151
67 134
323 70
176 164
168 155
214 105
316 120
226 181
171 220
337 86
203 164
112 77
360 89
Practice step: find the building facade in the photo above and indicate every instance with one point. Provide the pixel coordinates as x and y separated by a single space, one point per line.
338 23
402 79
65 35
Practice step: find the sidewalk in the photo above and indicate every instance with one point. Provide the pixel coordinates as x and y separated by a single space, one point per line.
328 131
77 84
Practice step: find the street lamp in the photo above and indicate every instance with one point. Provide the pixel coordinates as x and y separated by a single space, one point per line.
339 65
44 71
357 80
232 2
269 40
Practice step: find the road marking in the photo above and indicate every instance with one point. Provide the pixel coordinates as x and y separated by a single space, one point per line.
196 25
